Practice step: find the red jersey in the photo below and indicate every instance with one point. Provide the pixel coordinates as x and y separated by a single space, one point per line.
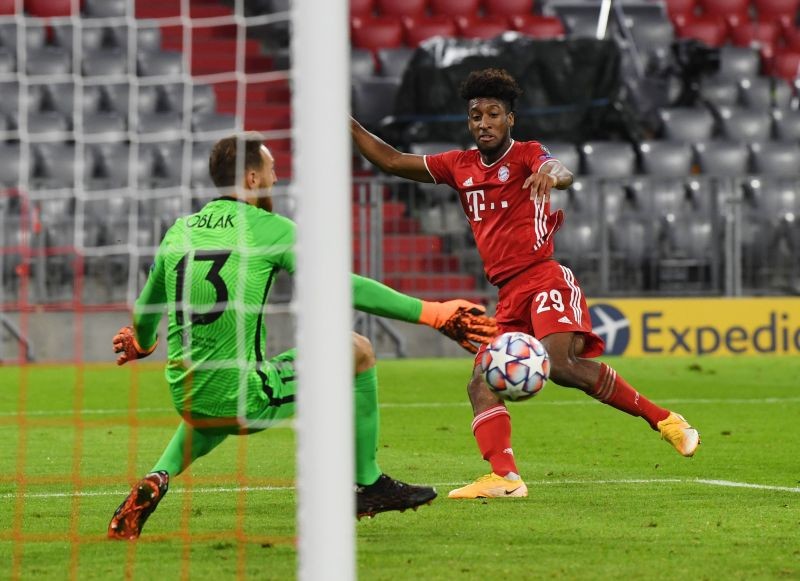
511 231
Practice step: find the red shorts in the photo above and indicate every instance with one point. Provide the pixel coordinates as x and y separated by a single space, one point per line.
547 299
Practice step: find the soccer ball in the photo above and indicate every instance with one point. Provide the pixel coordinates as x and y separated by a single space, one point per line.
515 365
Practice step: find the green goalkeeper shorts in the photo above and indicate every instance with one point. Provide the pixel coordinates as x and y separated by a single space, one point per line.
277 385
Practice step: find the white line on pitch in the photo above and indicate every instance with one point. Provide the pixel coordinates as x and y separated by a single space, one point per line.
623 481
686 401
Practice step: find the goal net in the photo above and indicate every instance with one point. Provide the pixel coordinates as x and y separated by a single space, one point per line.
108 112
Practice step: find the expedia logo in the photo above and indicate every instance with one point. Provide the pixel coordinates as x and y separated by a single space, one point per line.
612 326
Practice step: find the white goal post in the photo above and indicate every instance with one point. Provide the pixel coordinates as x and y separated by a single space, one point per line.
322 182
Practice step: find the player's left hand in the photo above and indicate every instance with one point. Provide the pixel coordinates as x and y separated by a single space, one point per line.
128 347
464 322
540 185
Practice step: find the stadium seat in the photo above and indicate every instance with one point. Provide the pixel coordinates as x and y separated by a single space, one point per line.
104 8
9 164
665 196
53 165
362 8
771 200
8 60
104 62
362 63
567 154
373 99
652 34
54 123
401 8
159 63
538 26
8 7
776 159
734 12
762 36
9 97
689 239
454 7
608 159
212 122
787 125
375 33
786 65
747 125
783 12
679 11
666 158
737 62
578 246
104 122
393 61
580 26
582 197
432 147
112 165
723 158
199 176
418 31
508 8
48 60
148 39
711 30
687 124
765 93
48 8
482 28
719 91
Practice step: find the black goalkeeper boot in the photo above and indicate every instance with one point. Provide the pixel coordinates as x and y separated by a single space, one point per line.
390 494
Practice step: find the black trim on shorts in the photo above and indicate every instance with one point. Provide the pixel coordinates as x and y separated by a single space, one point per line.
265 386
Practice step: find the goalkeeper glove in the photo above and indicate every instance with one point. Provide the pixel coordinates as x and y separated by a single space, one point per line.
464 322
126 344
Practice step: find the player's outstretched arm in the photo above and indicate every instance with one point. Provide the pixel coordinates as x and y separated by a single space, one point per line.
464 322
387 158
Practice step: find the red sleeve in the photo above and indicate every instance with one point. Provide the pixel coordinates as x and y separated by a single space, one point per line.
536 154
440 166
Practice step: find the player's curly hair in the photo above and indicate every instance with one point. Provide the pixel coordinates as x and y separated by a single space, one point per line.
493 84
223 159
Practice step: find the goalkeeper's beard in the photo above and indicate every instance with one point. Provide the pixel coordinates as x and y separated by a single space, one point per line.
263 199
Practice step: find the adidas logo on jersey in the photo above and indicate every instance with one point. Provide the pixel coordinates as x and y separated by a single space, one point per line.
565 320
467 182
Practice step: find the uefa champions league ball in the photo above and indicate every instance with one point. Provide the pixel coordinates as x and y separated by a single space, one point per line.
515 365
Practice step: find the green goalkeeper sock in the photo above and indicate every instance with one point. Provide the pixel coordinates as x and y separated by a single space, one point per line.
186 446
367 424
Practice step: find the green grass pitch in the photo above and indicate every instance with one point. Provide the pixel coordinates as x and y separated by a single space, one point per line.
608 499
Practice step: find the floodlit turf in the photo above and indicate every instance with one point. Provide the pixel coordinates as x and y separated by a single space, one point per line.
608 499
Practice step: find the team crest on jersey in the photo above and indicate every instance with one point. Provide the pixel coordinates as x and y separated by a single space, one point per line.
503 173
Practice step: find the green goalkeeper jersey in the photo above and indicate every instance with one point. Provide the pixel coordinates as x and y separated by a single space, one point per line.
213 272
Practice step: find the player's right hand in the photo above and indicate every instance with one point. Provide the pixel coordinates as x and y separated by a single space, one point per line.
128 347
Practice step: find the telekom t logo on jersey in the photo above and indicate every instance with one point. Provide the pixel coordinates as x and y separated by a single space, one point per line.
475 201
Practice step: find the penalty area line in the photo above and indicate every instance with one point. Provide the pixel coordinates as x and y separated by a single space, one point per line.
569 482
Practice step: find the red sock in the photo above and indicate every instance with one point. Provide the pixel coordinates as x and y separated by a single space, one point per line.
492 429
611 389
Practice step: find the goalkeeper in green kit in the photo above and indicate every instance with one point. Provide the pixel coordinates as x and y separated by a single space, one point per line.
212 274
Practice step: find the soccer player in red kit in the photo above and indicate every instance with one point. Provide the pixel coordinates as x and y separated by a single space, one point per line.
504 188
